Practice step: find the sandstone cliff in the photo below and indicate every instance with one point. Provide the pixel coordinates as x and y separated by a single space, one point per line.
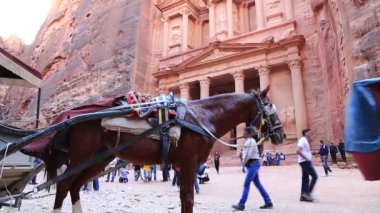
87 51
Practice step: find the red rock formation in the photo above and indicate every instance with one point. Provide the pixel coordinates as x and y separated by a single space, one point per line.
86 51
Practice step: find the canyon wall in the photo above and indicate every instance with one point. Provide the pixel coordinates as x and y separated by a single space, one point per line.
87 51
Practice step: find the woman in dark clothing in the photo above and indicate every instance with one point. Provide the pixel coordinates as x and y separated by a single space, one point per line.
333 151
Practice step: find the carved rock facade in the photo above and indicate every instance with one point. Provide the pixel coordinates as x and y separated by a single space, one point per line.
308 51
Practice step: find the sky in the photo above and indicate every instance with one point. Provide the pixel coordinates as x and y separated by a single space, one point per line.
23 18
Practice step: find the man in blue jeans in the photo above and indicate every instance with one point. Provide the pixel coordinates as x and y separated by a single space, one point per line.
324 152
251 161
304 160
95 185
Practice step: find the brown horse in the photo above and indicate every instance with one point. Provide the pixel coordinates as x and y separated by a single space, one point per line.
219 114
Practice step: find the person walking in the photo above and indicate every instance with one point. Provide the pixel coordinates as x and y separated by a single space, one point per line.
112 165
176 176
333 151
251 161
324 152
154 172
95 185
217 161
137 170
304 160
342 150
36 163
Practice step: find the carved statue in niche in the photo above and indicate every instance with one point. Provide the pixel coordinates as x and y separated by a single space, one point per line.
274 11
287 116
221 24
235 15
175 35
273 4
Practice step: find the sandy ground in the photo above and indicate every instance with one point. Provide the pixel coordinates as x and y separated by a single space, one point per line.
344 191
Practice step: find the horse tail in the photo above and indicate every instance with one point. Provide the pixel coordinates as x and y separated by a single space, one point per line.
55 160
44 149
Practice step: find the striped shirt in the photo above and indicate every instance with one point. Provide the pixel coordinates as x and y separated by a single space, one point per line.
251 150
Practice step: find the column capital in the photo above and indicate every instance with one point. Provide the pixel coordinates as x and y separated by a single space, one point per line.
163 90
184 86
238 75
263 70
205 82
294 64
164 19
185 12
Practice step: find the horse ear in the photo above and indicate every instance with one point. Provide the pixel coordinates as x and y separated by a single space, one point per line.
265 92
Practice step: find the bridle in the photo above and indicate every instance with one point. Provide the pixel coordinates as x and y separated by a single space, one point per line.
267 115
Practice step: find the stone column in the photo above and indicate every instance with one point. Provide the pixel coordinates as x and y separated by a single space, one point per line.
264 76
185 30
264 82
259 14
242 18
165 38
211 19
239 88
298 96
205 87
288 9
230 25
246 18
239 81
184 90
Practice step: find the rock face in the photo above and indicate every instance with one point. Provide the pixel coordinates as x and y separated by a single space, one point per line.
86 51
347 42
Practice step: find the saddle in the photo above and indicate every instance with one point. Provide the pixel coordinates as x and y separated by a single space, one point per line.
144 115
137 126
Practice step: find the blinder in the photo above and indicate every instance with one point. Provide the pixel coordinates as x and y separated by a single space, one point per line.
267 113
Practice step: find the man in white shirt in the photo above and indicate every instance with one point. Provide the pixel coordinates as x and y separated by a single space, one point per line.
304 160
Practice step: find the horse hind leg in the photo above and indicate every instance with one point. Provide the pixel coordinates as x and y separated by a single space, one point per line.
81 179
62 189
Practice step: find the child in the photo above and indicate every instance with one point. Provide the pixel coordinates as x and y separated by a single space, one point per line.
147 173
123 175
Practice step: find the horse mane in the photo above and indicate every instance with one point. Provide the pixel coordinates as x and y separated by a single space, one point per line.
210 101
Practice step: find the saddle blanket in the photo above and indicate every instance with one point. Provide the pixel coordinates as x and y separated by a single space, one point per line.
136 127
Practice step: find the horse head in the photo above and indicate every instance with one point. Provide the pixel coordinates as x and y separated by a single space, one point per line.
267 120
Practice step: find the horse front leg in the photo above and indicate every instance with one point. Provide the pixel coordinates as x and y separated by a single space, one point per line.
187 180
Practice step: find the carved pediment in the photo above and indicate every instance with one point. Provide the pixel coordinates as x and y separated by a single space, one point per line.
166 4
221 51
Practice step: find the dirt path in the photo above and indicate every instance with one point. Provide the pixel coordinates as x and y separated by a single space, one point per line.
344 191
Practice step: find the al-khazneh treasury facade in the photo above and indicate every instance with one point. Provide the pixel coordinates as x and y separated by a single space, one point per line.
212 47
207 47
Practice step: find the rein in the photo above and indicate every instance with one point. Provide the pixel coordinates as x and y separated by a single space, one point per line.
200 123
